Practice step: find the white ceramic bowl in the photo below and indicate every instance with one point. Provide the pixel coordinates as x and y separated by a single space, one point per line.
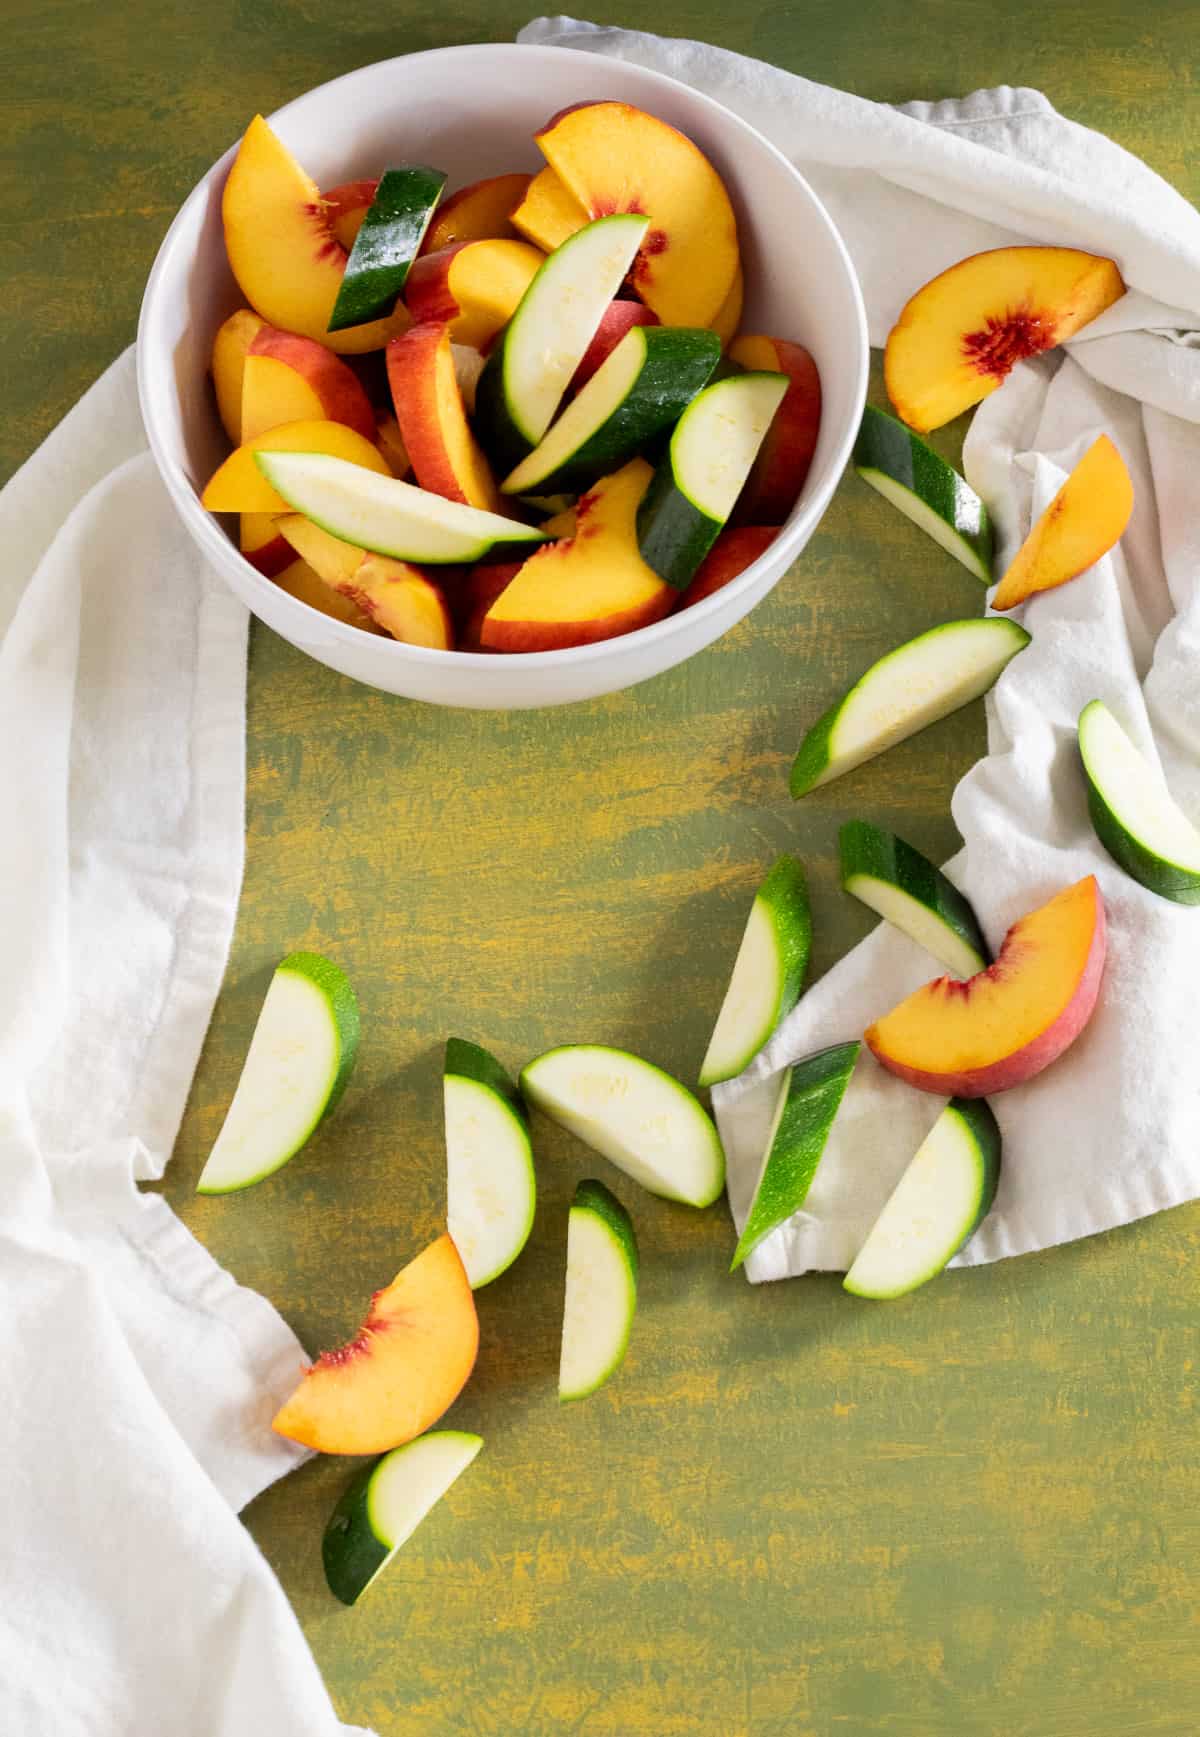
473 112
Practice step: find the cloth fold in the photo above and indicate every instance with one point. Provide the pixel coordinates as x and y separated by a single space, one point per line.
1112 1131
139 1378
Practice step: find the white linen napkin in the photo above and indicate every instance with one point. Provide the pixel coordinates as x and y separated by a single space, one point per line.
1112 1131
139 1379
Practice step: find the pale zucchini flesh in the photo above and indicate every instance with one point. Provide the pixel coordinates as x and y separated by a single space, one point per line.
894 879
767 975
490 1185
633 1114
909 474
937 1205
1135 817
601 1291
912 687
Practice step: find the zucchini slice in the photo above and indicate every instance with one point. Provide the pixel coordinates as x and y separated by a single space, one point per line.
923 680
768 973
386 1503
397 518
556 319
386 245
937 1205
601 1299
810 1095
913 477
908 891
1136 819
640 389
696 486
490 1186
633 1114
299 1061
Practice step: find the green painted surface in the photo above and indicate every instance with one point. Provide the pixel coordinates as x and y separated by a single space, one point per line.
795 1515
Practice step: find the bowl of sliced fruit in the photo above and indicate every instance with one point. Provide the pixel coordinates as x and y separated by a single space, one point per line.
497 377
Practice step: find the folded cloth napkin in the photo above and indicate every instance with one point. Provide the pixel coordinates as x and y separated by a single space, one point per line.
1112 1131
139 1379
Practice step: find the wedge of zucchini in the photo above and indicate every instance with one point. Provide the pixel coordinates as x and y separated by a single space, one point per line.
913 477
640 390
699 480
386 245
908 891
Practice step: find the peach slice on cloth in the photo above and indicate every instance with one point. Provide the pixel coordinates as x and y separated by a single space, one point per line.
282 248
1004 1025
1083 521
958 338
406 1365
614 158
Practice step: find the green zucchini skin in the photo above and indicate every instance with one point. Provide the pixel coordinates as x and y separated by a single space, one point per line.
351 1552
869 850
386 245
470 1061
593 1196
1146 866
886 447
674 535
495 427
678 363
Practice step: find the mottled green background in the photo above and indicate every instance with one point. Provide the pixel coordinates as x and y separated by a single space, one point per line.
793 1515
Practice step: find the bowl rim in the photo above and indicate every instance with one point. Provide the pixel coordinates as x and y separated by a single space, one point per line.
207 531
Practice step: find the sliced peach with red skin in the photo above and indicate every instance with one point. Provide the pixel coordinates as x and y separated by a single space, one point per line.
288 378
484 585
783 460
1083 521
230 348
1003 1026
346 206
591 586
618 318
275 558
407 1364
282 248
260 542
403 601
238 486
479 212
960 336
734 550
613 157
548 213
472 286
445 456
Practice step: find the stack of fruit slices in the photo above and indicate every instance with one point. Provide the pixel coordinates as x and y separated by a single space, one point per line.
564 441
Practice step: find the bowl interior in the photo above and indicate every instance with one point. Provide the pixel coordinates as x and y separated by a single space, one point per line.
472 112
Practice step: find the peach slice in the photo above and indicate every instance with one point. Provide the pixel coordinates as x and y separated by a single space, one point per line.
260 541
958 338
1003 1026
390 442
783 458
282 248
474 286
263 545
346 207
299 581
1083 521
484 584
407 1364
730 555
612 158
292 379
548 213
479 212
591 586
230 348
403 601
446 458
617 319
729 314
240 487
394 596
